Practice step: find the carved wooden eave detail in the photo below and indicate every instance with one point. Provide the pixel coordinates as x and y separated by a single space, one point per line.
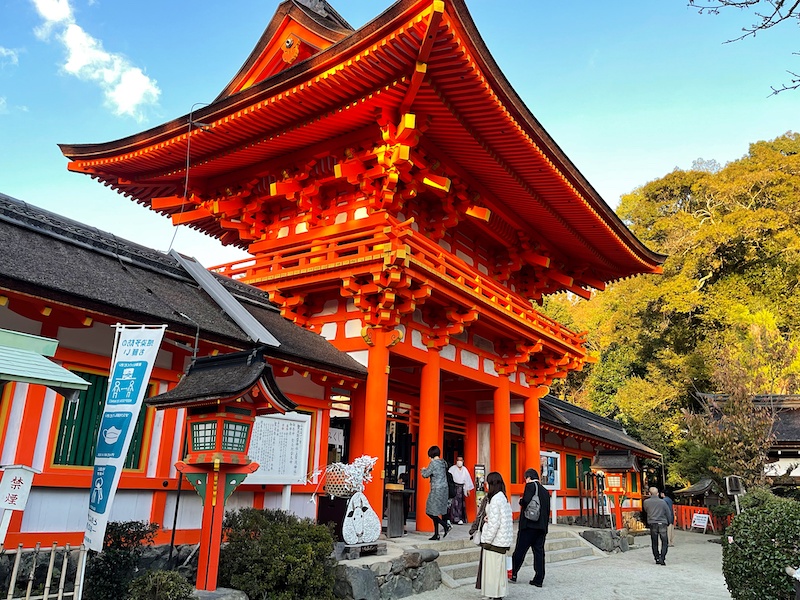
420 56
443 323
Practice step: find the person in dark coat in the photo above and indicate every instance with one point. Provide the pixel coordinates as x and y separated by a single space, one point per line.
532 534
438 499
657 519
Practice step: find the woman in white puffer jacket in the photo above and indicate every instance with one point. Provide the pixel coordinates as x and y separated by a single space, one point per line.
497 535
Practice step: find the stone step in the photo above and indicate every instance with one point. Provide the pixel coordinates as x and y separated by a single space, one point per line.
460 563
462 555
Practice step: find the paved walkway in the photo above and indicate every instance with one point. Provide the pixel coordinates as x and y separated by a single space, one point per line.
693 571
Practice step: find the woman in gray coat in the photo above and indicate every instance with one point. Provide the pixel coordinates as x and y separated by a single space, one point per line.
436 505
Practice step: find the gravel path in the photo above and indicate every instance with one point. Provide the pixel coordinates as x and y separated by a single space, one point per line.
693 570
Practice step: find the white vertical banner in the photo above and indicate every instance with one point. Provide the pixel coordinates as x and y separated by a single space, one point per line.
135 351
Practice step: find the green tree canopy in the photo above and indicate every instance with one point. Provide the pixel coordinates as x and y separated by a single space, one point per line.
728 296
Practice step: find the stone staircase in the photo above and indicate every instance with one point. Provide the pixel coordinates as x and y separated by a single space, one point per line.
458 558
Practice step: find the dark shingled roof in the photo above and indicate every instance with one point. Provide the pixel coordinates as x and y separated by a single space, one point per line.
573 418
699 488
221 378
615 460
45 254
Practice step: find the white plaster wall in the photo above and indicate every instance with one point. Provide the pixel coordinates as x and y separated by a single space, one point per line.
781 466
57 510
301 505
469 359
328 331
416 340
70 515
190 509
448 352
573 503
331 307
352 328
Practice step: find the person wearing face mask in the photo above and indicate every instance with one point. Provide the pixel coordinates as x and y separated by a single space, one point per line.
464 485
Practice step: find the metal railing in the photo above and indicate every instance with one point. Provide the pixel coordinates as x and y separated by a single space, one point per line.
60 581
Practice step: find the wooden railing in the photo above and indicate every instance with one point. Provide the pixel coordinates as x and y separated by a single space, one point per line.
60 581
336 247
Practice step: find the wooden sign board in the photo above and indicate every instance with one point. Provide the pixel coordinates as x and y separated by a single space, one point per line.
702 521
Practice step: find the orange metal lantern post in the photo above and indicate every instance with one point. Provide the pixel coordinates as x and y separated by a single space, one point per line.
222 396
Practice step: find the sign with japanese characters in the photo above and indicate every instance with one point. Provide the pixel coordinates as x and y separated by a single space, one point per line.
15 487
280 445
135 351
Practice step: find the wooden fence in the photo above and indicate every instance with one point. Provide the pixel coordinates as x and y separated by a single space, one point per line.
61 580
684 515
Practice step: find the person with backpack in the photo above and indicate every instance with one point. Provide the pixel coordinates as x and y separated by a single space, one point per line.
439 497
534 517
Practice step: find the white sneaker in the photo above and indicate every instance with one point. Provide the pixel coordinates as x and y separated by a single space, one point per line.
461 522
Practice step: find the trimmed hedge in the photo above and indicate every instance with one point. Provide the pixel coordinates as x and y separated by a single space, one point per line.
160 585
271 554
765 539
109 573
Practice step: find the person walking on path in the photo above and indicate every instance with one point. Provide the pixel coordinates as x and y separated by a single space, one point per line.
671 524
657 513
496 537
464 485
436 504
532 533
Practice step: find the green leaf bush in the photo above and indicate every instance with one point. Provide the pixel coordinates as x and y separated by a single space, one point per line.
271 554
160 585
759 544
109 573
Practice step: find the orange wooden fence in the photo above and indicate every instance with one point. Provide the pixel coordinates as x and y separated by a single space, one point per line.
684 515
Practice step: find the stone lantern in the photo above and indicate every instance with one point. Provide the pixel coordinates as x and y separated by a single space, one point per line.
222 396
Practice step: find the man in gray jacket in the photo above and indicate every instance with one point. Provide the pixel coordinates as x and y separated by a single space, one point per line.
657 513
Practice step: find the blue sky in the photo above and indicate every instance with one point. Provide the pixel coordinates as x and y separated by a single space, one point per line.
629 89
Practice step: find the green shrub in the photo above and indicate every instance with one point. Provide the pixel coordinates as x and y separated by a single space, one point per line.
271 554
765 539
160 585
109 573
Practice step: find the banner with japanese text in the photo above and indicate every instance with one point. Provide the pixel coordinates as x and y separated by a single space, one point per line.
135 351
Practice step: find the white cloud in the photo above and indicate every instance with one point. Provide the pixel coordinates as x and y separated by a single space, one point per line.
3 106
8 57
126 88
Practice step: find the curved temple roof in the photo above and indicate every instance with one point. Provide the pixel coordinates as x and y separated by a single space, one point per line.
423 57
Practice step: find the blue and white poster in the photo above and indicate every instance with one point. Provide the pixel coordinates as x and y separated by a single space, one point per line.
135 351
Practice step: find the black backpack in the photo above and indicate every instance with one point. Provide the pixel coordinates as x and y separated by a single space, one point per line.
451 483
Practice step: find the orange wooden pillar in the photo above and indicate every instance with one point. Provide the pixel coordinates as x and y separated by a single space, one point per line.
501 430
373 425
430 433
531 428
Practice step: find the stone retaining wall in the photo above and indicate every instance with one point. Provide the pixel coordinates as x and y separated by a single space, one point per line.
412 573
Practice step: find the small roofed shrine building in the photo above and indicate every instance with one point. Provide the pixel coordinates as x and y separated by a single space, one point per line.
399 199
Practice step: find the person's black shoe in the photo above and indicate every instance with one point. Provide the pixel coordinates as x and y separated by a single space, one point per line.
447 529
434 537
663 563
513 578
533 582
